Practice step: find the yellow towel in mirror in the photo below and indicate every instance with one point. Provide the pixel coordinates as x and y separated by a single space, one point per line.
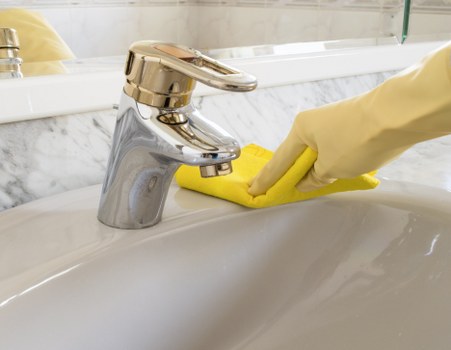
234 187
38 40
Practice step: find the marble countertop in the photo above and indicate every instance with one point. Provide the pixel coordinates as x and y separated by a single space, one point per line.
426 163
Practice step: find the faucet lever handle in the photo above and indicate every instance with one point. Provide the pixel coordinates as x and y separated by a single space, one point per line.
205 69
164 74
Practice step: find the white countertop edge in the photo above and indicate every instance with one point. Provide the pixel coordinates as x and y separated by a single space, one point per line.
38 97
48 96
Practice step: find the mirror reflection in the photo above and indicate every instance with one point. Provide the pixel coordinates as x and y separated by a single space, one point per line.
34 41
10 62
53 31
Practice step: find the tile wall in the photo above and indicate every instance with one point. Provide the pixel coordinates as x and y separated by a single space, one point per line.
107 27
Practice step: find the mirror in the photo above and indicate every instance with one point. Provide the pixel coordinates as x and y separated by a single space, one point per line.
94 29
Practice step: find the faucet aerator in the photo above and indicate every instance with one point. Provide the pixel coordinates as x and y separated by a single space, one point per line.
216 169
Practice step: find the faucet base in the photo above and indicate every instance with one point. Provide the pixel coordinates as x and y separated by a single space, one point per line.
136 199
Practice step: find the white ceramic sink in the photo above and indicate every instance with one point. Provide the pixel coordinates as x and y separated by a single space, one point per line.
364 270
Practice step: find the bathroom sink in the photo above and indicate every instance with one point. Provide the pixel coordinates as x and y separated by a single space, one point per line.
362 270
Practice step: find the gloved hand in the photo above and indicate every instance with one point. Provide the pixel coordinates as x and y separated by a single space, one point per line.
361 134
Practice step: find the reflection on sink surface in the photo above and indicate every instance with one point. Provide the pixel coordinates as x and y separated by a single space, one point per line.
363 270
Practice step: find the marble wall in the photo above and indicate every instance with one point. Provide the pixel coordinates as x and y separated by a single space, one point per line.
52 155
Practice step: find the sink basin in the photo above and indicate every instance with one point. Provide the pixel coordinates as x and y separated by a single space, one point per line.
362 270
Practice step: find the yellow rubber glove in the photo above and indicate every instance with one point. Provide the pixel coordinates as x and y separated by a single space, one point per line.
38 40
359 135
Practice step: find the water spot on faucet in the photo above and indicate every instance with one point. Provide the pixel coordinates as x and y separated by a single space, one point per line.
152 182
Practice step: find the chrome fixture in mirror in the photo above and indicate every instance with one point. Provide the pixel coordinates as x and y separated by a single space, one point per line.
10 61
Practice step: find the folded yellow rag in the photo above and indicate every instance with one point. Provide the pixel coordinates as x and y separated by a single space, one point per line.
234 187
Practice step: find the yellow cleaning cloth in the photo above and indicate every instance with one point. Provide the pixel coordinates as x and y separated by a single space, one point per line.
234 187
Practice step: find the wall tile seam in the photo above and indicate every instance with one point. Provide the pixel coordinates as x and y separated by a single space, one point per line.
418 6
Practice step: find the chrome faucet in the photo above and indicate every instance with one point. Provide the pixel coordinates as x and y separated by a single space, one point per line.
10 61
158 129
